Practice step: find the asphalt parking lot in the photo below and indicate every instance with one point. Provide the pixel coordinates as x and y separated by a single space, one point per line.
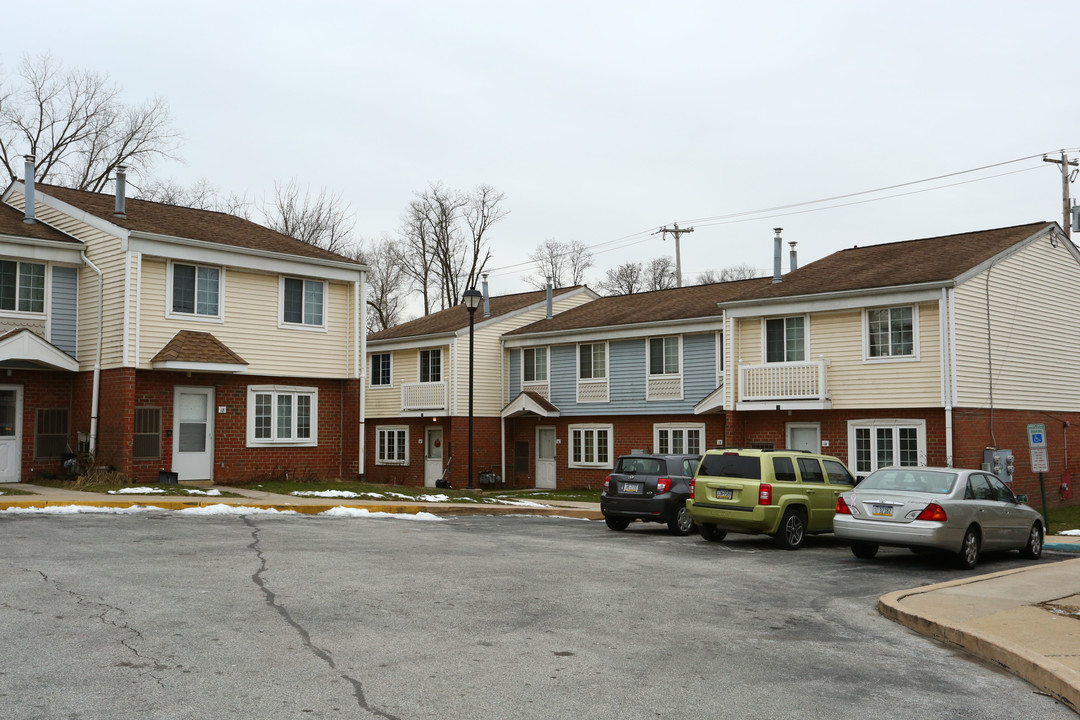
160 615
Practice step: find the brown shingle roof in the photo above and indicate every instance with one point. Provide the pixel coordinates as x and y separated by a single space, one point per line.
911 262
686 303
182 222
11 223
197 347
457 317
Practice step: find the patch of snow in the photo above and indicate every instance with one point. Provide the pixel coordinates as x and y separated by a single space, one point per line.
325 493
213 493
520 503
76 509
1069 532
365 513
137 491
223 509
432 498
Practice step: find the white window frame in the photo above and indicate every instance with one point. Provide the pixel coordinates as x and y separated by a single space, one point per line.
382 430
322 326
371 374
46 289
765 340
913 357
276 391
669 428
607 362
547 365
170 313
874 424
594 430
678 356
420 365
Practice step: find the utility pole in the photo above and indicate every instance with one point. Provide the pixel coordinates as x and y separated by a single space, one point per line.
676 231
1066 178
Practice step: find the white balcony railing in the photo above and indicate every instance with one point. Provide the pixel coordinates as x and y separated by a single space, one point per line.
784 381
423 396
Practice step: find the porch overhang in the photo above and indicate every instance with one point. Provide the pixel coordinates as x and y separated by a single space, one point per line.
23 349
711 403
530 403
198 352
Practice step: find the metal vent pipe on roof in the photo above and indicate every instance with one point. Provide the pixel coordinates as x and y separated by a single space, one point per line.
487 298
549 313
121 189
28 190
776 256
794 258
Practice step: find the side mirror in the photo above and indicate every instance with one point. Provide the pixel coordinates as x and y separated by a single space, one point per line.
1021 499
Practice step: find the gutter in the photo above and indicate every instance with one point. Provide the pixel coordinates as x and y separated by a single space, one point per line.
96 392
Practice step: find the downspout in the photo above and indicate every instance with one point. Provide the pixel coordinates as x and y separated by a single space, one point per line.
361 362
946 371
502 418
96 392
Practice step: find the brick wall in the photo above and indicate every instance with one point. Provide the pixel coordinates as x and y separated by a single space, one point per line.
45 390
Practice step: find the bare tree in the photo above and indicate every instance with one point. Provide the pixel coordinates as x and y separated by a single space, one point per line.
660 274
483 208
734 272
626 279
324 220
564 263
416 252
386 288
77 127
202 195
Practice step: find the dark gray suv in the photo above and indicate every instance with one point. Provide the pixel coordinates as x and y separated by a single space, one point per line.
651 488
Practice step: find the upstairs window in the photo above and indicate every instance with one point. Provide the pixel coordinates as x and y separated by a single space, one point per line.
380 369
535 364
891 332
22 286
196 290
592 361
664 356
785 339
302 302
431 366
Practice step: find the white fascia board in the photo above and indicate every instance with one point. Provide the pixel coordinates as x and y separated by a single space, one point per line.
177 248
416 342
25 345
81 215
44 250
199 367
617 332
923 292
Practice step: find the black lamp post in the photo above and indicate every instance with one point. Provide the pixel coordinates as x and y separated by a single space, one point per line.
472 299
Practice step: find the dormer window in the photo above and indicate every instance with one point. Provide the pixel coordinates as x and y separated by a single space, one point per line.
22 286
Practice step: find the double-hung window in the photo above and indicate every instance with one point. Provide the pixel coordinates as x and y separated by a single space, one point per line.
876 444
381 369
785 339
664 356
392 445
672 439
196 290
535 365
890 332
431 366
592 361
22 286
303 302
590 446
283 415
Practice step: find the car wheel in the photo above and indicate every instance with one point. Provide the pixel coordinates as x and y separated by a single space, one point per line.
969 550
711 533
616 523
682 523
792 529
864 550
1034 547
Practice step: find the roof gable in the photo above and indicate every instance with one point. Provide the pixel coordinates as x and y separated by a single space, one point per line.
12 223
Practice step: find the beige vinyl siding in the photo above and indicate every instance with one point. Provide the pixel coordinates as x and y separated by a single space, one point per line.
250 329
487 395
382 402
853 383
1033 328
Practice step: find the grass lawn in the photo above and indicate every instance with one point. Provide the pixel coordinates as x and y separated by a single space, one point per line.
1064 519
6 490
399 492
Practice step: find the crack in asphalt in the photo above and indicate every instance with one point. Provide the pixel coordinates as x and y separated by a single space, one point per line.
321 653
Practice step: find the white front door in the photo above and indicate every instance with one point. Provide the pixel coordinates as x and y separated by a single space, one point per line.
545 458
433 455
804 436
11 407
193 433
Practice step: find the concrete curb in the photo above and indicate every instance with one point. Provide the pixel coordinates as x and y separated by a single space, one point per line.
1048 675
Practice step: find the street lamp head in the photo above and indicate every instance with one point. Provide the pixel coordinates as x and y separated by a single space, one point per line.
472 299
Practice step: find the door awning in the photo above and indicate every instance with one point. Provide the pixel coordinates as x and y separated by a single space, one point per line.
197 351
23 349
530 403
713 402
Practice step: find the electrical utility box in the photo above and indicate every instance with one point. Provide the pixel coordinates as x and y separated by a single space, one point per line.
999 462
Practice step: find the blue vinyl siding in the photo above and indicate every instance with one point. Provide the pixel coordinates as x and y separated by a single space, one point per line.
515 373
65 309
627 371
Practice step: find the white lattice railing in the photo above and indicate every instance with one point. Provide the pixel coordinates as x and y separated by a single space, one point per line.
423 396
592 391
784 381
665 388
540 388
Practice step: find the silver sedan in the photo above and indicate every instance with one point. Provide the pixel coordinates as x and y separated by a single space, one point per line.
959 511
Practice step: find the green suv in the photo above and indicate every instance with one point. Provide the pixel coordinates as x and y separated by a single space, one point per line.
782 493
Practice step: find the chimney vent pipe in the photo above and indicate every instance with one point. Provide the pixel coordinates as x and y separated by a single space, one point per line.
28 189
487 297
121 190
794 258
776 256
549 313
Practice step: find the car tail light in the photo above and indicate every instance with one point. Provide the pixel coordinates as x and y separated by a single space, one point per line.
764 496
842 507
607 482
663 485
933 511
693 481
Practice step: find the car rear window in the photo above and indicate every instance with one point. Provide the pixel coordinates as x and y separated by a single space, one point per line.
642 465
733 466
918 481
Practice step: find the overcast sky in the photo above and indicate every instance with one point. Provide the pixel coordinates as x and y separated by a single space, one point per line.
602 121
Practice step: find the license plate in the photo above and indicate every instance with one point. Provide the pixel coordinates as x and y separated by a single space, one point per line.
723 493
885 510
632 488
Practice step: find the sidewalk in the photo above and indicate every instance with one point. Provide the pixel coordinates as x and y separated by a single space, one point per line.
1025 620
